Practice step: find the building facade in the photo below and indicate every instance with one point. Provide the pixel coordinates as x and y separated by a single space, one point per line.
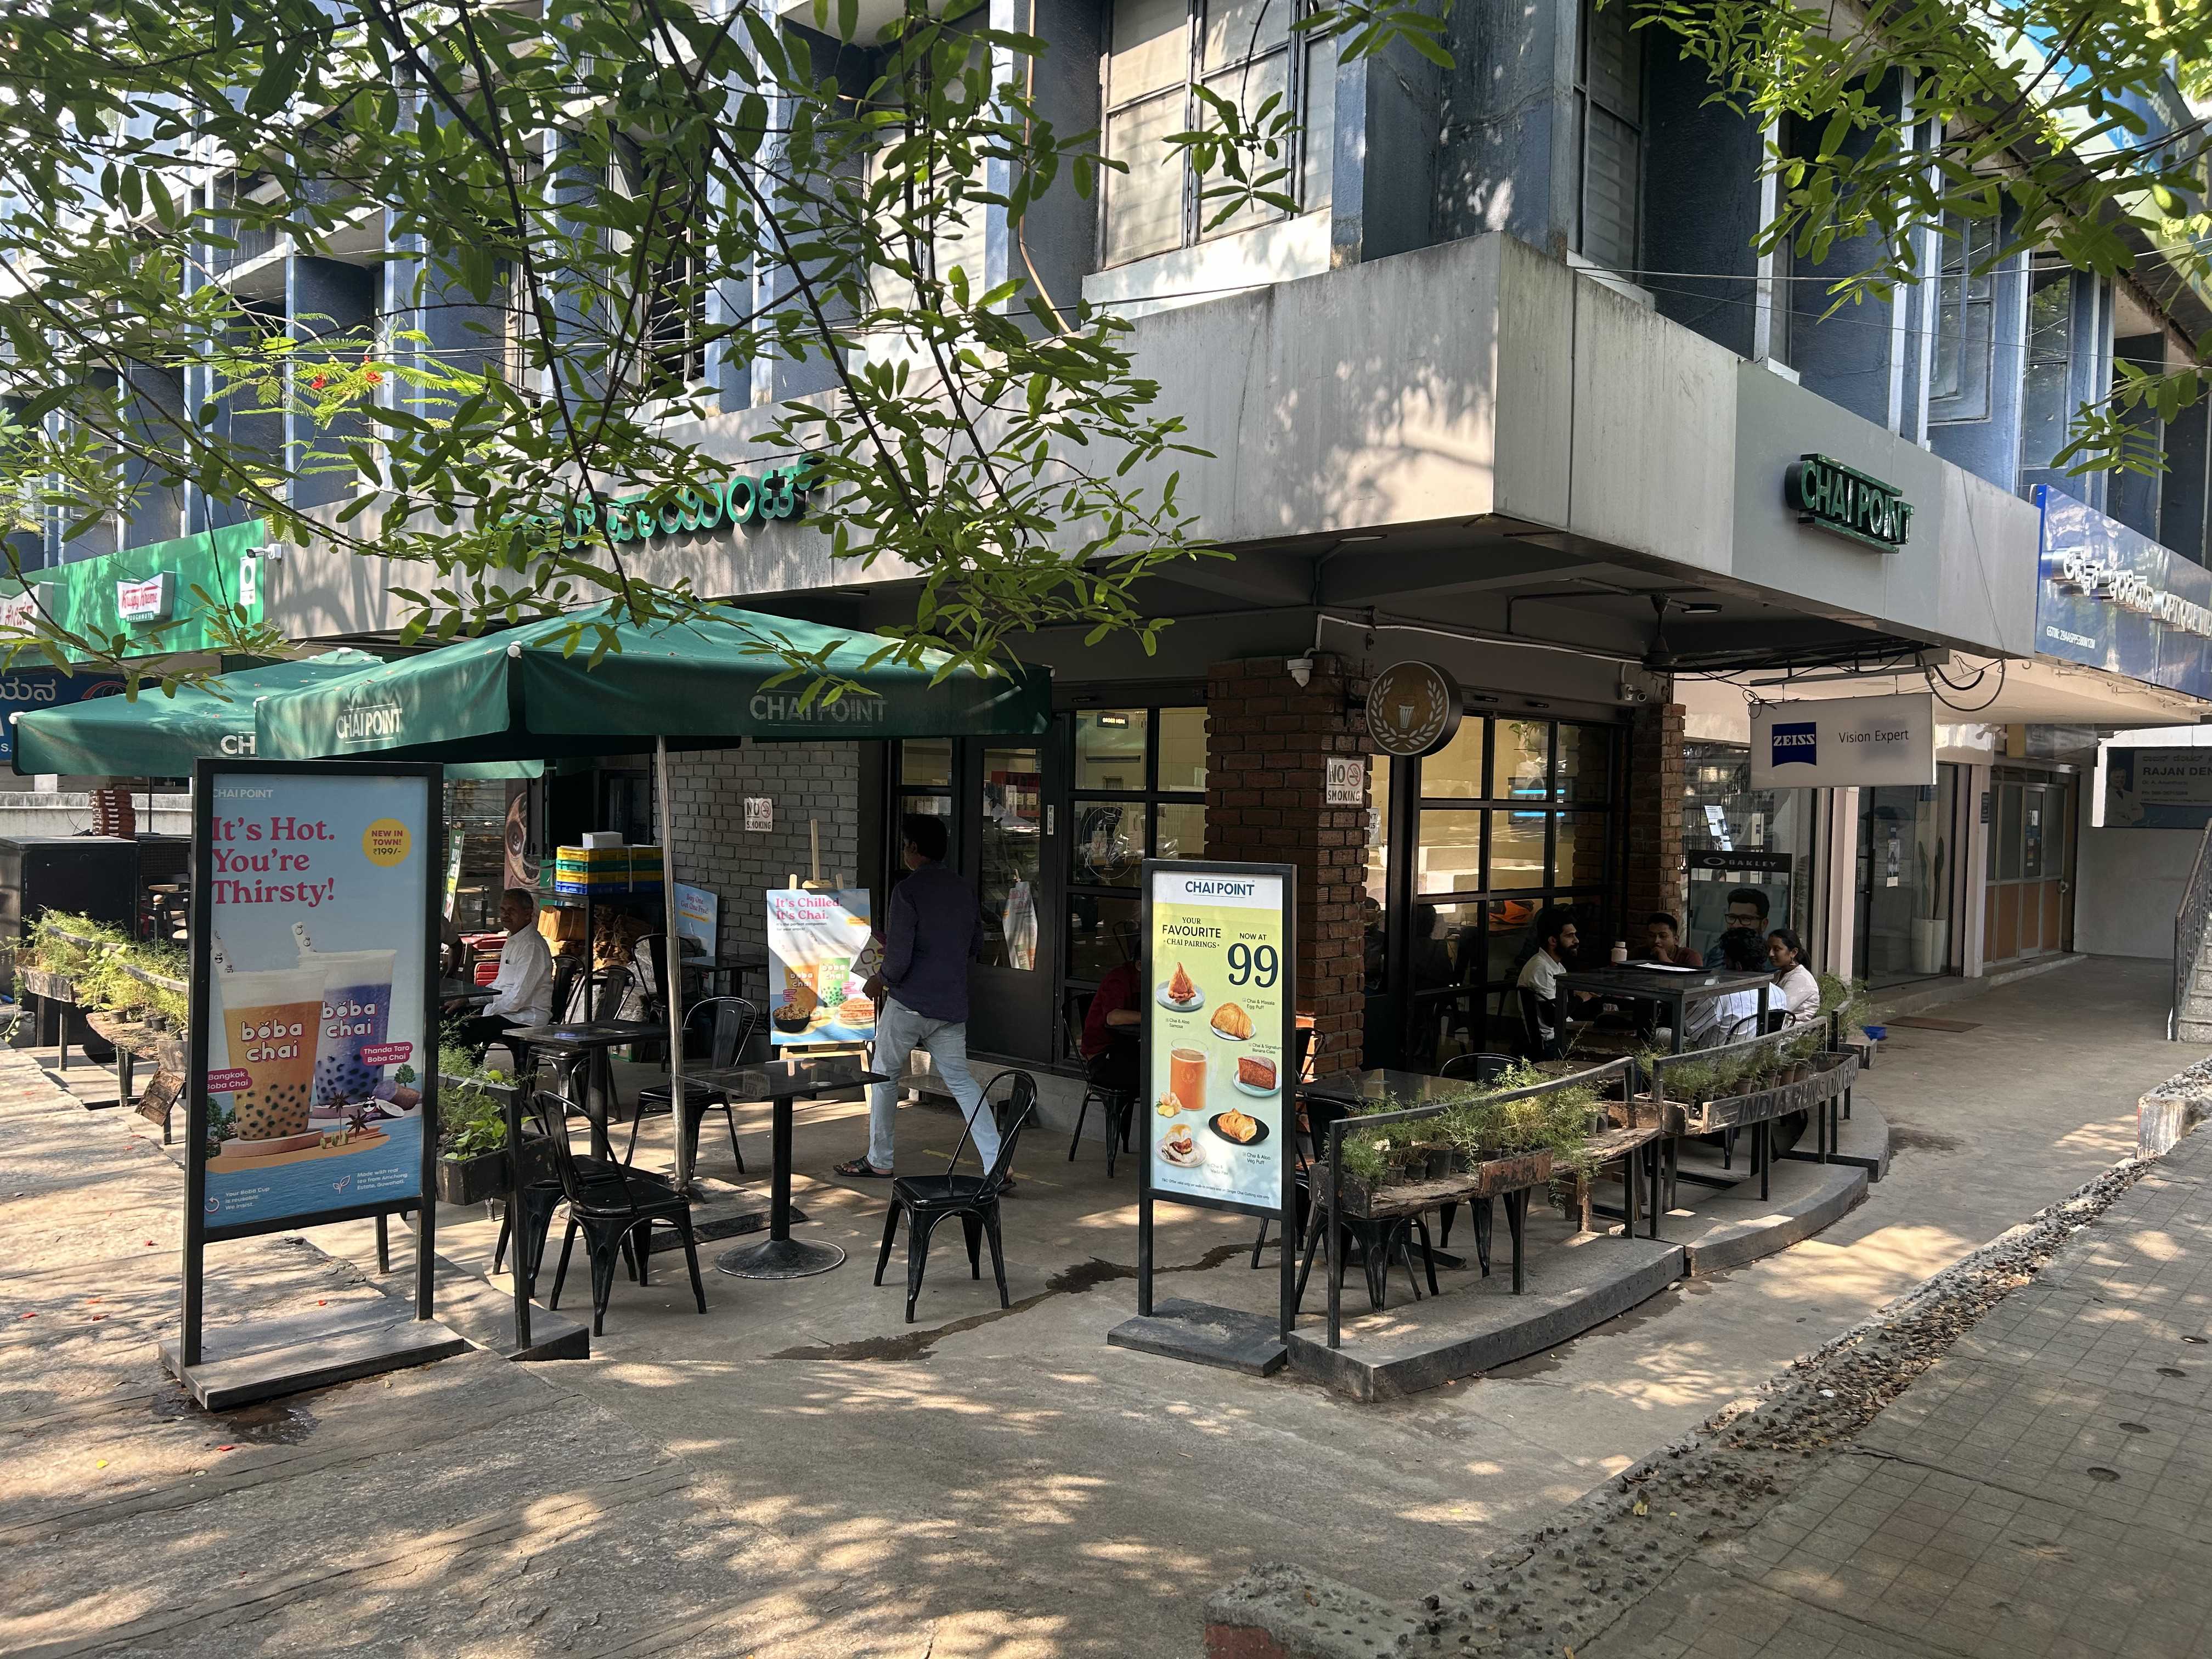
1510 393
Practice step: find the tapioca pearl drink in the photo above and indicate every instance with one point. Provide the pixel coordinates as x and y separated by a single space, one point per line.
356 1011
271 1024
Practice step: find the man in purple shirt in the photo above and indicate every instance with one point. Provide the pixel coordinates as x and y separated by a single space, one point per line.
935 930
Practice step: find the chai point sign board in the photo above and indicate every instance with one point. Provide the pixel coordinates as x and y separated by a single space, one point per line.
1844 742
2157 788
1219 1004
1847 502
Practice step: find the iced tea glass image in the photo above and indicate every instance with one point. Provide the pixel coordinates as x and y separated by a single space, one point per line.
357 1013
272 1022
1187 1077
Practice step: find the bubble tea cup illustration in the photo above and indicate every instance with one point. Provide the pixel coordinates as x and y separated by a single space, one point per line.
356 1012
271 1019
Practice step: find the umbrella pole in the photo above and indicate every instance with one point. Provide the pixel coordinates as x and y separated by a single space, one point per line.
671 966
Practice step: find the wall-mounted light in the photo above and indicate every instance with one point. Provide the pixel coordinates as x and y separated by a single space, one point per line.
1113 720
1700 609
1373 536
1301 669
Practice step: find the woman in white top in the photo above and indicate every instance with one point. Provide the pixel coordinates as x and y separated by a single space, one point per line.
1801 992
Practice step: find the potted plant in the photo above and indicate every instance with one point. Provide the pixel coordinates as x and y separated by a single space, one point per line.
1932 933
472 1146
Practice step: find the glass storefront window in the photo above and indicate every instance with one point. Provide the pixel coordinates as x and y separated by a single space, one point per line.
1109 748
926 763
1182 751
1012 815
1108 846
1582 774
1521 760
1906 837
1516 849
1374 904
1737 839
1451 852
1182 831
1102 933
1454 771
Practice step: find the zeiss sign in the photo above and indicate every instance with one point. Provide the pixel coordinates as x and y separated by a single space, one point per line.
1798 744
1844 742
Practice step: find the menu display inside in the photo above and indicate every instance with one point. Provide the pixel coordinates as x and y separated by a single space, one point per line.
316 893
1217 1008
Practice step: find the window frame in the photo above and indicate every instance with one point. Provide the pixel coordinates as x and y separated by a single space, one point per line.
1296 49
1967 259
1150 796
1586 99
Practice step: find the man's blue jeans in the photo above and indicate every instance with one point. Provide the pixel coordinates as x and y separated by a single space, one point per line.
899 1032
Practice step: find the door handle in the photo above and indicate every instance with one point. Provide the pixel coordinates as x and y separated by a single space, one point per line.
2065 886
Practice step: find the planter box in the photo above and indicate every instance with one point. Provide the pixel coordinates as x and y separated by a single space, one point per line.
1489 1179
1831 1075
473 1180
1646 1112
52 987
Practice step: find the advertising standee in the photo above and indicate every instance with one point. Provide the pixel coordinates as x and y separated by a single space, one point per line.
1220 1054
311 1083
821 956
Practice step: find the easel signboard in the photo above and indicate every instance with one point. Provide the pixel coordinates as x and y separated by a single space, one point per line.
310 1083
1218 1113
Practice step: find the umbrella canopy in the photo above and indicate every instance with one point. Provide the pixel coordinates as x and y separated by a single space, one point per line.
699 683
155 735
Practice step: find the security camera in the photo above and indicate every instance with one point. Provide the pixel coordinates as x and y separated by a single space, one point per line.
1630 692
1301 669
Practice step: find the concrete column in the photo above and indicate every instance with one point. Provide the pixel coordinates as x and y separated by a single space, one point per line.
1269 741
1974 868
1839 930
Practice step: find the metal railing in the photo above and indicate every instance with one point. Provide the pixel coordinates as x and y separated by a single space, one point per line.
1595 1077
2189 929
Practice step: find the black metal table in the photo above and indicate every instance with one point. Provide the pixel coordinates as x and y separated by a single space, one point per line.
780 1082
451 991
730 969
585 1042
1671 989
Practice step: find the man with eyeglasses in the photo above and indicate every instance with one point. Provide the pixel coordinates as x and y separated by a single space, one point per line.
1747 913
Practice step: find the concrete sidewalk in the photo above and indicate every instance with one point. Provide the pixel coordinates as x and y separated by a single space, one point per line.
2044 1491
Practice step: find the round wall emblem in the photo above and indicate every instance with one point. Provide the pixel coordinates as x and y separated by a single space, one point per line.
1413 708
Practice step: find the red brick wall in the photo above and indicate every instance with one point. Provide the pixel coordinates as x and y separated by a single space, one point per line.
1268 746
1655 876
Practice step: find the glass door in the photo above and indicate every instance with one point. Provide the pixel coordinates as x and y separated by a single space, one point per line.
1907 858
2028 911
1010 988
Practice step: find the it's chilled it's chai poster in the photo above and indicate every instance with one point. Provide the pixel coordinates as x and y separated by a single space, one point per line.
316 894
821 954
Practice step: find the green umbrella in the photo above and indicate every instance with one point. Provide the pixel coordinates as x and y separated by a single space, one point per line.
702 683
156 735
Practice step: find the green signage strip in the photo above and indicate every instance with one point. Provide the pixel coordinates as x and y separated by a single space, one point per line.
160 596
1847 502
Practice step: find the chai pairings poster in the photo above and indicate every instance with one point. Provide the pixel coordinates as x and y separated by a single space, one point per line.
1219 952
316 889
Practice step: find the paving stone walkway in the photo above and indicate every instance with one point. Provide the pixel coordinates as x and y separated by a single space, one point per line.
2043 1491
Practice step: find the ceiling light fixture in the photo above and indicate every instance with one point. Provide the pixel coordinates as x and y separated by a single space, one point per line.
1700 610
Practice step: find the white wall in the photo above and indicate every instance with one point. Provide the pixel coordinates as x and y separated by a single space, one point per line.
2127 886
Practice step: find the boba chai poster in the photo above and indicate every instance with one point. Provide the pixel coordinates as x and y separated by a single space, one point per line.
314 889
1216 1006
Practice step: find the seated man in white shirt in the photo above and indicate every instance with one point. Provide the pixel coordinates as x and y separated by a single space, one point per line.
1710 1022
522 994
1556 939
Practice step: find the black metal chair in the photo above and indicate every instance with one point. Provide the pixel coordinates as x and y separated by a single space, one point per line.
1379 1241
1533 1007
925 1200
615 1208
729 1024
1120 1105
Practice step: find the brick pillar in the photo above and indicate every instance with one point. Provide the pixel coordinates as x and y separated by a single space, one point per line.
1656 880
1268 741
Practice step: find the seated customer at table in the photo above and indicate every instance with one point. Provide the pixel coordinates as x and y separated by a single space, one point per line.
1664 944
1711 1020
522 995
1556 939
1110 1025
1792 978
1747 909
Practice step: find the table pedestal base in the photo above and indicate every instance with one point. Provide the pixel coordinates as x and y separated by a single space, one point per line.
779 1258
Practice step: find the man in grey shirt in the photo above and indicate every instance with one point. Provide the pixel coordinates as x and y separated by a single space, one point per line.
933 931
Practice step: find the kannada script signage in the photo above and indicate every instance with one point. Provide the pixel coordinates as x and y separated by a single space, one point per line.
2109 598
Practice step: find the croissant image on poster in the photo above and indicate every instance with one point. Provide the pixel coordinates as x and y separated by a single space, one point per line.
316 897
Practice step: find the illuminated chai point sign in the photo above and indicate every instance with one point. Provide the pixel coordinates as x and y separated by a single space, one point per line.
1844 502
740 499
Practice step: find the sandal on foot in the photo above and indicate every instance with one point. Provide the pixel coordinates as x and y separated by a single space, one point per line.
861 1169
